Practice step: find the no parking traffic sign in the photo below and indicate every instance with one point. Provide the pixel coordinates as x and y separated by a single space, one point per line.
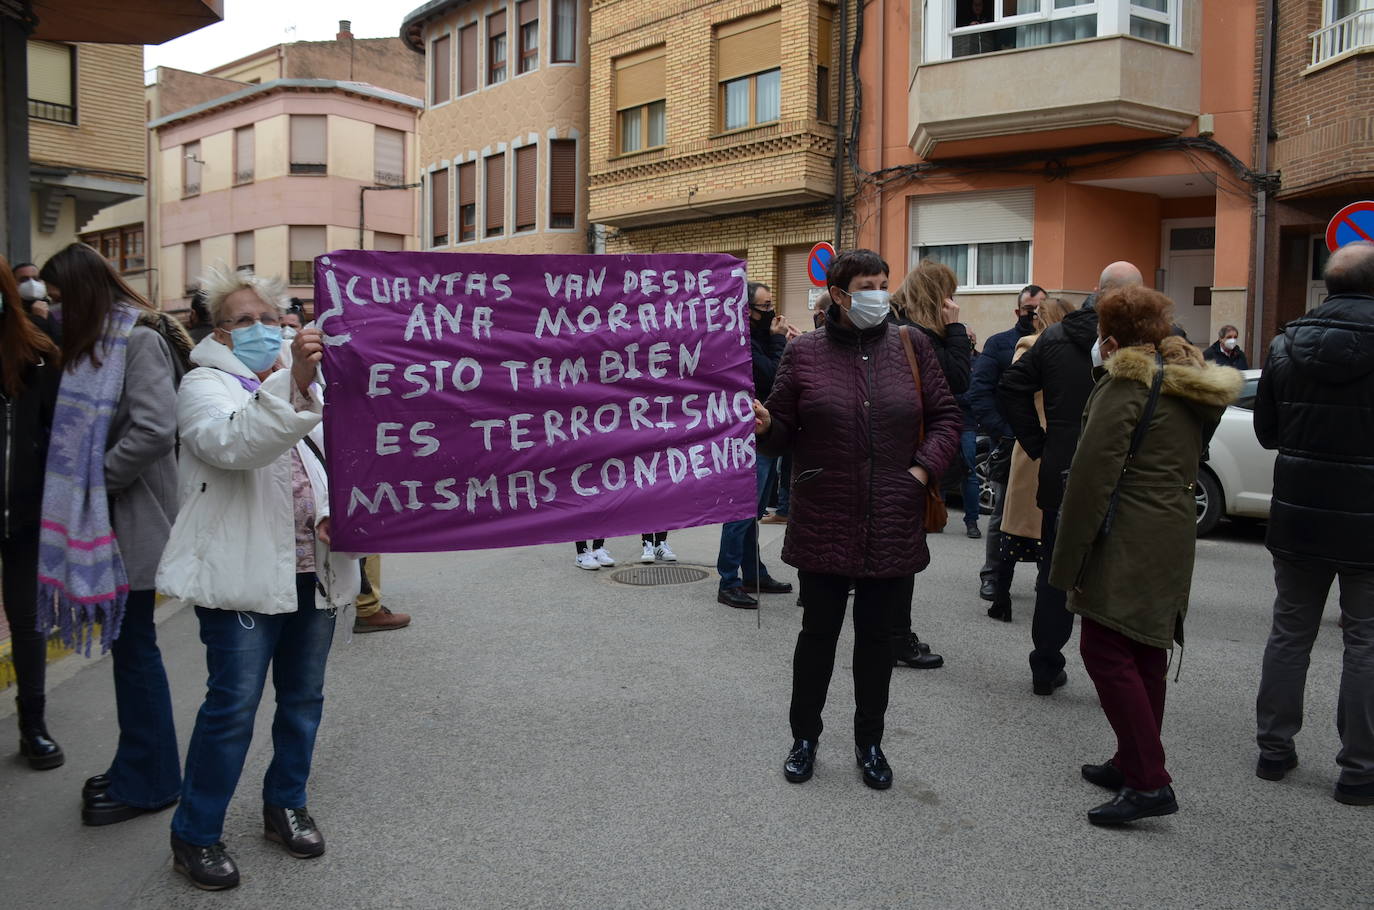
1352 223
818 263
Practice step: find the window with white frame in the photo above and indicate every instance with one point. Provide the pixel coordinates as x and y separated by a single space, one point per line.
1346 26
984 237
963 28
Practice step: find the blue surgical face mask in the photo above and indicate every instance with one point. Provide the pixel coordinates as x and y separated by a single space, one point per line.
257 346
868 309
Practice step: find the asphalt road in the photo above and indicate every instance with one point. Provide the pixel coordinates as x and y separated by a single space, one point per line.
546 737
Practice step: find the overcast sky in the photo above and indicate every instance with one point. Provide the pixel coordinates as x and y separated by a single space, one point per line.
250 25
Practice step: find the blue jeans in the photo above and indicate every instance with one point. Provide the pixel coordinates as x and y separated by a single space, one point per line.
739 540
146 771
239 648
968 444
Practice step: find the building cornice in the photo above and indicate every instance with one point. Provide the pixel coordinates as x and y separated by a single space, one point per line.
277 86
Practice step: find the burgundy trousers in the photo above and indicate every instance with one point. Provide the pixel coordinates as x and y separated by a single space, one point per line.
1130 678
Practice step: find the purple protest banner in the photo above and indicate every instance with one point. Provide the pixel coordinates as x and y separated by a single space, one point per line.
478 401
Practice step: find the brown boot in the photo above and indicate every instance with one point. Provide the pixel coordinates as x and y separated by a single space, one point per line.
381 621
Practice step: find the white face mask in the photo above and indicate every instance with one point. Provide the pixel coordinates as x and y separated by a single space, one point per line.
32 289
868 309
1229 344
1097 353
287 333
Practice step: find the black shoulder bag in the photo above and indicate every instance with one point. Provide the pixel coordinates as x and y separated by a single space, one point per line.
1137 438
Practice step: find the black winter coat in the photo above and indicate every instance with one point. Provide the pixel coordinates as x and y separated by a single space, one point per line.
845 406
952 350
24 432
1060 365
985 376
1315 404
1215 354
766 352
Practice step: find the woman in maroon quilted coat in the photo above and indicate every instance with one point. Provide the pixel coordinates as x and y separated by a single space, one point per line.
844 404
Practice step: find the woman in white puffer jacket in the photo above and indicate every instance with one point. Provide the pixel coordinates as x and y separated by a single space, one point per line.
250 548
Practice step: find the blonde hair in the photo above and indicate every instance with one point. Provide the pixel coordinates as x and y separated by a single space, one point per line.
921 298
219 282
1051 311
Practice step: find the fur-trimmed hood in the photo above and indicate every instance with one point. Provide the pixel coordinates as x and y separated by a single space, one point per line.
1186 374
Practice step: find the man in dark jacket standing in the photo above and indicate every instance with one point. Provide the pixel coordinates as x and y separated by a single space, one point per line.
739 540
1061 366
1226 349
996 574
1315 405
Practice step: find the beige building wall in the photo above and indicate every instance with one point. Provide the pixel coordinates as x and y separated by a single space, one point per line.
109 134
261 67
351 147
272 147
44 243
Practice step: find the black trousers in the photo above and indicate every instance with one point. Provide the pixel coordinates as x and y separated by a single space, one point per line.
1052 624
19 556
876 602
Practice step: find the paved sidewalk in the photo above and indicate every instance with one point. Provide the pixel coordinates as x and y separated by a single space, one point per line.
543 737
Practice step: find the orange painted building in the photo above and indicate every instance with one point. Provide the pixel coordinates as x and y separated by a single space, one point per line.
1035 141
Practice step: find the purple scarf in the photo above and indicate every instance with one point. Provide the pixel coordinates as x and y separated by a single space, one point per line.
81 578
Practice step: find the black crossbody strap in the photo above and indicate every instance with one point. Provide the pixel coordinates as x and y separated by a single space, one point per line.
1137 438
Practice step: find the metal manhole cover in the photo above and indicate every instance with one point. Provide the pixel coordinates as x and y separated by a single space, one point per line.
658 575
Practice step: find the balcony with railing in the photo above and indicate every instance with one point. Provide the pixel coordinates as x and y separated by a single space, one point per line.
51 110
1344 36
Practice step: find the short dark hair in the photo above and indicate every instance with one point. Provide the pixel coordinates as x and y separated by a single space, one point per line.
1134 315
14 269
1351 272
1030 290
850 265
753 288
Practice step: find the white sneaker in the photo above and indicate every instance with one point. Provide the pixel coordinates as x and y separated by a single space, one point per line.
664 553
648 554
602 557
587 561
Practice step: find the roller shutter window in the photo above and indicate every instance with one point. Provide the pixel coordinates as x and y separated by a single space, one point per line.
243 251
389 156
564 48
562 183
496 48
495 195
441 69
190 169
309 148
748 70
243 155
641 113
306 242
794 286
528 14
526 186
52 81
825 36
467 59
467 202
438 207
984 237
191 266
392 243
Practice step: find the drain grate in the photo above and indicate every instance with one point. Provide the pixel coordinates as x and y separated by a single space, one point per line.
658 575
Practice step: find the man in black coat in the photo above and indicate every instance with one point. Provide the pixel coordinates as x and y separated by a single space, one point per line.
1315 405
1061 366
1226 349
996 574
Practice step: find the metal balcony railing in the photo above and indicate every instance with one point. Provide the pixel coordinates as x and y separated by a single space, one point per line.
309 167
1354 31
51 110
243 177
387 178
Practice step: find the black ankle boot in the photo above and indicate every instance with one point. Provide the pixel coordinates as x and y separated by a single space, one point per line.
35 745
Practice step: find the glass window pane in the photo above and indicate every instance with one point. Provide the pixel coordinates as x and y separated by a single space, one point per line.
1070 4
736 104
768 96
658 124
1150 30
1159 6
1073 29
631 124
954 255
1004 263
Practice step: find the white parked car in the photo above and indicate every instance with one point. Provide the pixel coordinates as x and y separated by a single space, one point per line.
1238 476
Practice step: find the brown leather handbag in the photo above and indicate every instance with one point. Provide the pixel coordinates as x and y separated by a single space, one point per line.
937 516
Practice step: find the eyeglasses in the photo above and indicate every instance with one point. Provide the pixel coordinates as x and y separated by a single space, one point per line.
246 321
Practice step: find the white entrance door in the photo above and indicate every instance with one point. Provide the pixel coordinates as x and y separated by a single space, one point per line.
1316 265
1189 266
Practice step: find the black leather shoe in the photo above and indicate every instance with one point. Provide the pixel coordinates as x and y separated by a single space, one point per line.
988 590
1275 768
1105 775
35 745
1000 610
973 532
1047 686
737 598
209 868
915 654
94 787
99 810
1130 805
877 773
801 761
1354 794
768 586
294 829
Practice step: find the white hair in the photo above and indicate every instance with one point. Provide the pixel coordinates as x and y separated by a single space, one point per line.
219 282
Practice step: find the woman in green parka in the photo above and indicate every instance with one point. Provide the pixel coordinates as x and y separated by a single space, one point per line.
1130 580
